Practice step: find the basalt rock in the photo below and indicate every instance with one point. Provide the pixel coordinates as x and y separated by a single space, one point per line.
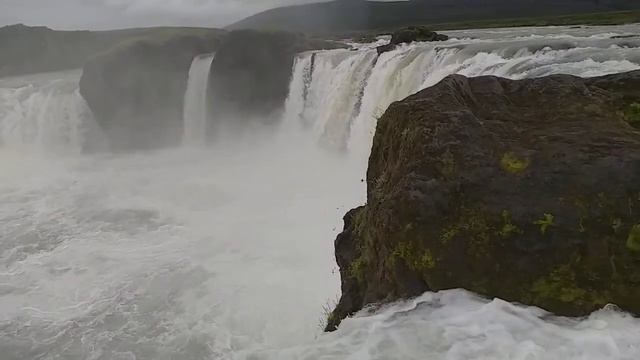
249 78
136 89
409 35
525 190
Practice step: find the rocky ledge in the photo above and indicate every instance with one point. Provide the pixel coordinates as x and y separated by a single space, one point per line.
524 190
410 34
249 78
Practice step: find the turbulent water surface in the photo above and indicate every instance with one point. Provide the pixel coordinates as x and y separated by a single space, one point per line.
226 252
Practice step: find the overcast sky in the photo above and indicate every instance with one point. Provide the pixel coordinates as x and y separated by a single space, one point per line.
110 14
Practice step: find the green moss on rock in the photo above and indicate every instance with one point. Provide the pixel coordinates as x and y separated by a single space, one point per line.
544 223
631 114
508 228
357 269
415 258
562 288
556 235
513 164
633 240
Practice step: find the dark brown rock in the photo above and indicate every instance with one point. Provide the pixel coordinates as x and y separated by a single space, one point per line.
409 35
250 74
525 190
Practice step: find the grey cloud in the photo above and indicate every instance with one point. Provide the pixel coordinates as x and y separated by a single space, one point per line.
109 14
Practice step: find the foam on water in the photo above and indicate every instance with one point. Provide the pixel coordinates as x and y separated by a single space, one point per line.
456 324
227 252
176 254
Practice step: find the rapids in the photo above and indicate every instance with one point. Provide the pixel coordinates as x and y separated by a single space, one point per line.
226 251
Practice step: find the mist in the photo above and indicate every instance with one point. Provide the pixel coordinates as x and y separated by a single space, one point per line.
226 235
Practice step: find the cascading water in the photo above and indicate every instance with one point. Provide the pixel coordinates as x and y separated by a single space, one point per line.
226 252
195 101
349 90
45 115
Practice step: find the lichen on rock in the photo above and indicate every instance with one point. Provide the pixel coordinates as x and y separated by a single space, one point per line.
529 192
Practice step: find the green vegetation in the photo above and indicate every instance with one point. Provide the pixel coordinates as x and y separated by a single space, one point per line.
513 164
631 114
592 19
508 228
562 285
633 240
328 315
474 226
341 17
589 19
545 223
25 49
415 258
356 270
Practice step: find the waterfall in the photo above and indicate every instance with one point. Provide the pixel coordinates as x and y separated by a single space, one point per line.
349 90
195 101
226 252
44 114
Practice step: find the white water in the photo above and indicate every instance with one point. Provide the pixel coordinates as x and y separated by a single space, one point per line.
334 90
195 101
43 114
227 252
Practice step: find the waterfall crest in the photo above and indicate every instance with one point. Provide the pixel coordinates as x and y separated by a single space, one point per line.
47 115
341 93
195 101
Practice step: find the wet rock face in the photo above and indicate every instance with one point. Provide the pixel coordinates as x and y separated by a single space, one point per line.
136 90
250 74
525 190
249 78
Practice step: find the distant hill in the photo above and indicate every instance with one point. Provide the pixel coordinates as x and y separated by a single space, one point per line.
26 49
357 15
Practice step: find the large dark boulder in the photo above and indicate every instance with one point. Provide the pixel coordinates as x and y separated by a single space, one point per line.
249 78
410 34
525 190
416 33
136 90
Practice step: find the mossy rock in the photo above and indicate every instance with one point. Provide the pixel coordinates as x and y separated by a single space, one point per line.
530 192
631 113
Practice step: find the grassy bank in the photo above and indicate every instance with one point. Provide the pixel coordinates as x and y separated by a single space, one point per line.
593 19
25 49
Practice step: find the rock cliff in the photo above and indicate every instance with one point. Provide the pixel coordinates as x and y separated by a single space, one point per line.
136 89
525 190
